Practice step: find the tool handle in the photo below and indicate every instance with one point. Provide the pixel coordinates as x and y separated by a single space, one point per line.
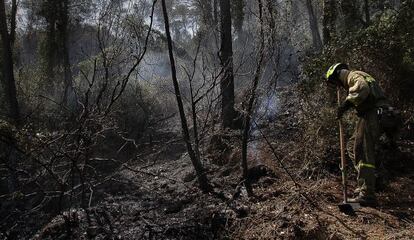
342 145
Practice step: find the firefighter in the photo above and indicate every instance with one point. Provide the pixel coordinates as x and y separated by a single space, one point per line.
370 103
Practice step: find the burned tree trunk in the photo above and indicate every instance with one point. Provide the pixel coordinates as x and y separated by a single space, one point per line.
313 22
226 59
9 84
202 179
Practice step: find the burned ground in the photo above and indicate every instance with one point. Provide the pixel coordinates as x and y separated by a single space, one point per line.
156 196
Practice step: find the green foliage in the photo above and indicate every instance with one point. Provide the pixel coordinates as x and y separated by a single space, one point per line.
385 50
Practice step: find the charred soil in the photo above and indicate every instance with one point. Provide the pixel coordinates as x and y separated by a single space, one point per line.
156 197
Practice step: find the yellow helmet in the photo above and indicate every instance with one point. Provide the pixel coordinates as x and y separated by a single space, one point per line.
333 72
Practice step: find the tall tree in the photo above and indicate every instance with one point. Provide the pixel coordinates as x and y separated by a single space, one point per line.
352 19
215 12
9 84
56 14
329 20
50 48
202 179
69 97
367 13
226 59
313 22
206 11
238 15
13 22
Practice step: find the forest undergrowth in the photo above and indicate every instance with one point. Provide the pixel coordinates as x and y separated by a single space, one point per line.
176 119
156 195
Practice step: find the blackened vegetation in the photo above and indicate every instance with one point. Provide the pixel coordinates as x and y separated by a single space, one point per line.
199 119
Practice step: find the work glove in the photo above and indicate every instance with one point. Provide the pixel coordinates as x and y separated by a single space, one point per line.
345 106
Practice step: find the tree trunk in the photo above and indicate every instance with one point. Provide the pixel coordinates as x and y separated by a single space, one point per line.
69 96
272 23
9 156
238 16
352 20
13 22
329 20
367 13
9 84
206 12
202 179
226 58
296 12
215 12
381 5
50 49
313 22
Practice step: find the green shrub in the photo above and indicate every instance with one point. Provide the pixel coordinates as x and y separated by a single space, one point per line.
385 50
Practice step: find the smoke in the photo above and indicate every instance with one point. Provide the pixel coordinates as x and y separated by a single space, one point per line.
268 107
267 110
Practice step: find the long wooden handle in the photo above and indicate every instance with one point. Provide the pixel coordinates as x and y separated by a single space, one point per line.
343 159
